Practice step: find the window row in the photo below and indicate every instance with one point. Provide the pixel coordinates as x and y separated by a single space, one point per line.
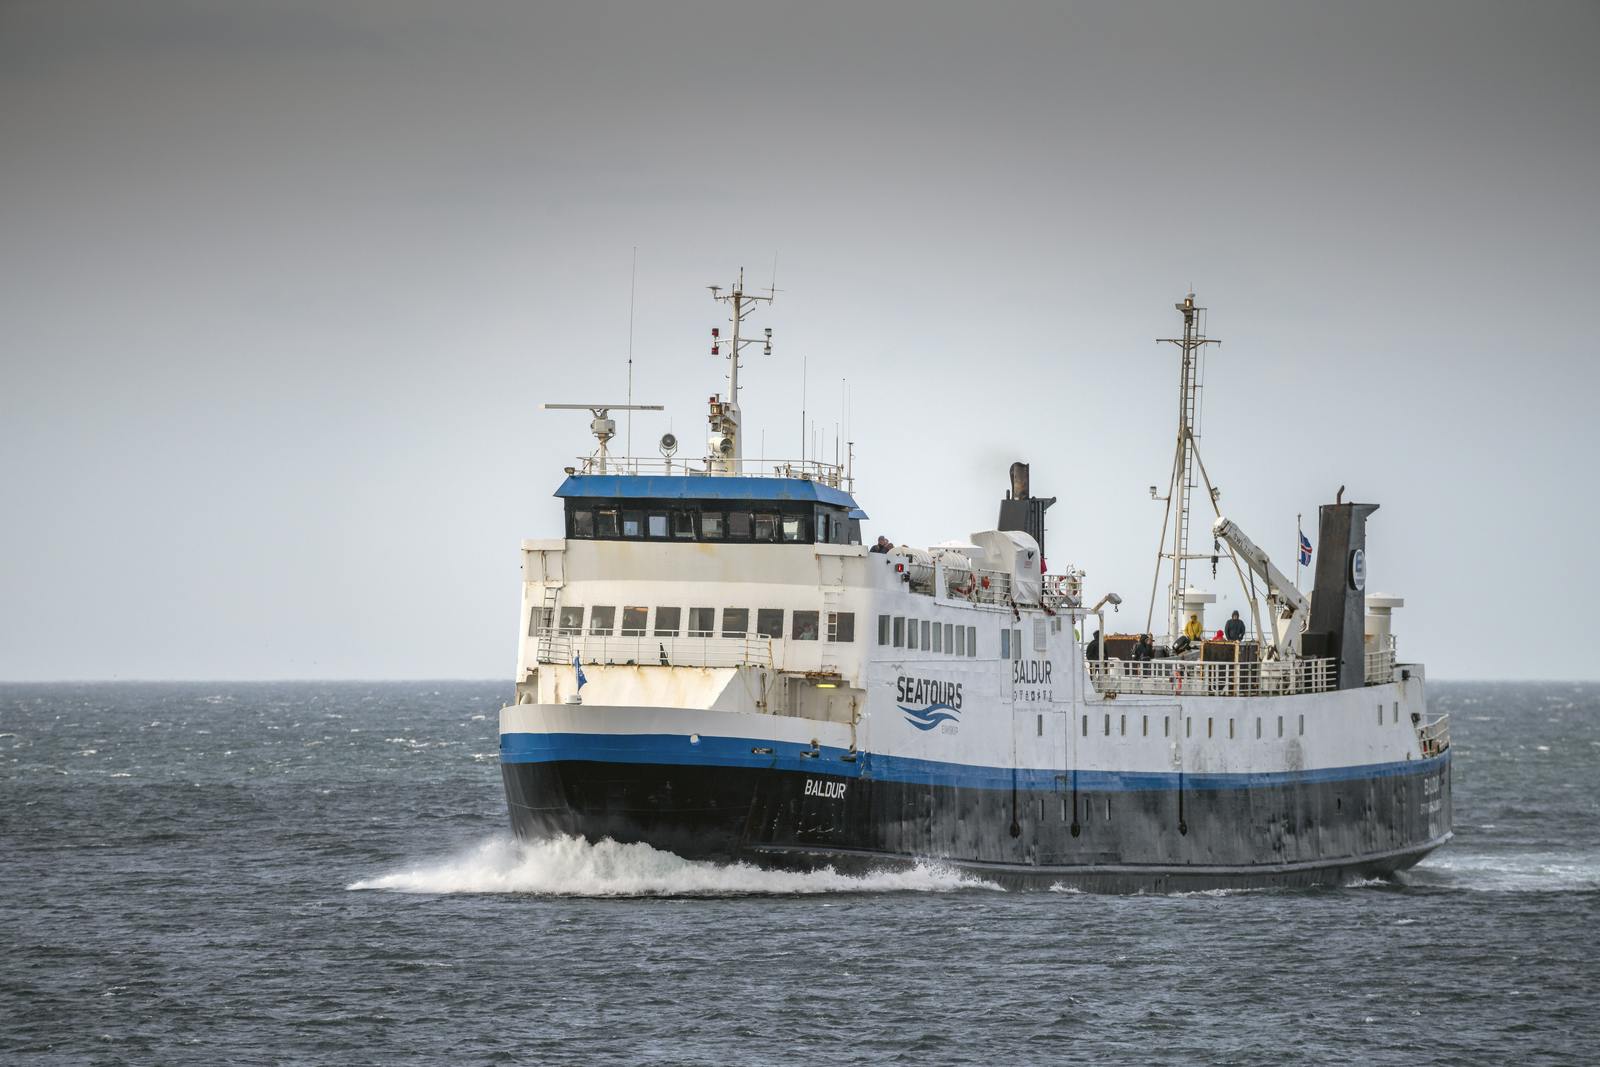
898 631
1166 726
594 520
702 622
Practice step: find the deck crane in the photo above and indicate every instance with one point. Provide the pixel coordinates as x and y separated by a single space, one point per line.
1290 608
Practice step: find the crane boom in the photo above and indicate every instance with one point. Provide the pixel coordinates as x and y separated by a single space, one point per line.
1290 608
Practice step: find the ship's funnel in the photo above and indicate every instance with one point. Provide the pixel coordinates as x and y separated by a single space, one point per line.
1338 603
1019 481
1020 511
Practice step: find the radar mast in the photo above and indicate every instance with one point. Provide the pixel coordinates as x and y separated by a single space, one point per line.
727 448
1185 460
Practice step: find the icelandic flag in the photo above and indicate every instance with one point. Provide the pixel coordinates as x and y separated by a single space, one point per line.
579 668
1305 550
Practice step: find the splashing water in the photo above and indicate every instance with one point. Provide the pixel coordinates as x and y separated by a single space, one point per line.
573 867
1509 871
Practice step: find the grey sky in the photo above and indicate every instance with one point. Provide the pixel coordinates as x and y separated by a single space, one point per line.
282 285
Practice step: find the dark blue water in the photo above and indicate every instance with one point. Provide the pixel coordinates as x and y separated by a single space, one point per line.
320 874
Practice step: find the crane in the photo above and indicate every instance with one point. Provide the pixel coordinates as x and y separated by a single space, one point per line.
1290 608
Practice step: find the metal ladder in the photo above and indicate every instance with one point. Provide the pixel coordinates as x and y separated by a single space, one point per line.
547 621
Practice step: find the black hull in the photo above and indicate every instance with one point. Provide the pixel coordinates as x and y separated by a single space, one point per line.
1315 832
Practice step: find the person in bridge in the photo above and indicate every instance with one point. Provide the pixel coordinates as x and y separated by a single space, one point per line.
1193 630
1233 629
883 545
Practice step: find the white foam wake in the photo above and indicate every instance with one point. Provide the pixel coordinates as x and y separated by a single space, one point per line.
573 867
1509 872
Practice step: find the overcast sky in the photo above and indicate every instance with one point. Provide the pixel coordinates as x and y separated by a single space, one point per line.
283 284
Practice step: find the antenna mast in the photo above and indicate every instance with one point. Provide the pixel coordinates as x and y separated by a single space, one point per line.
727 450
1184 461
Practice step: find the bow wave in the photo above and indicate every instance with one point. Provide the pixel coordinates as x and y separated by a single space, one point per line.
929 717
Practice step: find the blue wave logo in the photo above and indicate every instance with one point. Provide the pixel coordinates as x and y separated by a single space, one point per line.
932 715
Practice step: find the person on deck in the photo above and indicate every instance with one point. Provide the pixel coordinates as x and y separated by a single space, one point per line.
1091 651
1143 651
883 545
1192 629
1233 629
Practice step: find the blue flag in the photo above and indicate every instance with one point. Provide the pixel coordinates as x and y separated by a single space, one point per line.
1305 550
579 668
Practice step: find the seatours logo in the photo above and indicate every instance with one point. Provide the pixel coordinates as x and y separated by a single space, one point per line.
927 702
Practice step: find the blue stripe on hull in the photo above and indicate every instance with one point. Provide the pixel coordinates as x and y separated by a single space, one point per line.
679 750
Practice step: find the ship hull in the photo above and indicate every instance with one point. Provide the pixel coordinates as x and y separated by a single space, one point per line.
1085 830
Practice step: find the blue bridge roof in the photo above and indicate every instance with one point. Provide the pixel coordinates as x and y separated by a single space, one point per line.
705 487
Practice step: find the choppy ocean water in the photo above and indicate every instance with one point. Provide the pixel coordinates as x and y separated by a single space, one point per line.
320 873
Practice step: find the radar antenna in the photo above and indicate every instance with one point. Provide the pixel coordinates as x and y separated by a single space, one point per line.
603 426
727 450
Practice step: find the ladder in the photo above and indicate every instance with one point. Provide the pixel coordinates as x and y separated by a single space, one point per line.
545 631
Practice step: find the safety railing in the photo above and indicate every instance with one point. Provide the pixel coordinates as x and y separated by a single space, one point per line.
1380 662
1185 677
560 646
810 470
1434 736
978 585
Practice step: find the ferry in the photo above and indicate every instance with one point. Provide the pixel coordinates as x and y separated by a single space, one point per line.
712 662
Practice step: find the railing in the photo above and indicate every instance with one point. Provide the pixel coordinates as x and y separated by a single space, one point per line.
558 646
1379 666
1434 736
807 469
977 585
1187 677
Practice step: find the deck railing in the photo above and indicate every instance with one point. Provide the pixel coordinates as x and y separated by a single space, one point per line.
1434 736
558 646
1187 677
810 470
1380 662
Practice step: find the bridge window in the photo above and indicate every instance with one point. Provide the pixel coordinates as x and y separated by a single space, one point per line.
632 523
633 621
667 621
582 522
602 620
842 626
572 620
735 622
822 527
883 629
711 525
769 622
683 524
738 526
805 625
702 622
606 522
766 528
791 526
657 525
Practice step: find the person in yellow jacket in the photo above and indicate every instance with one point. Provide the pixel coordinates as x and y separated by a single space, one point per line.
1192 629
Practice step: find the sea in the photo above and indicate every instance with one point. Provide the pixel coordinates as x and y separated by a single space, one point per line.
315 873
